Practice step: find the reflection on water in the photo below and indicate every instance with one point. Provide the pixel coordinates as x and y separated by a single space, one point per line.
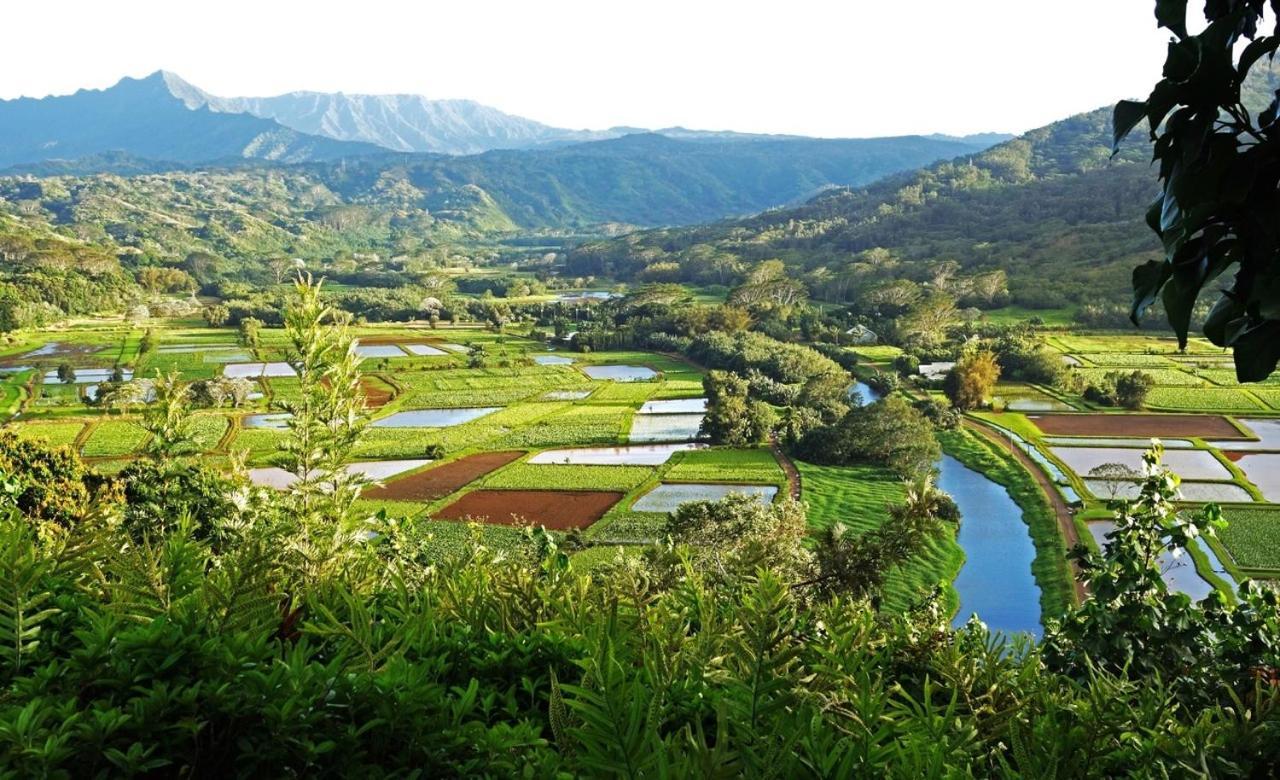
433 418
995 581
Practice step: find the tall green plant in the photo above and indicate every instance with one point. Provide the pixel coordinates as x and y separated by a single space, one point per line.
325 423
168 416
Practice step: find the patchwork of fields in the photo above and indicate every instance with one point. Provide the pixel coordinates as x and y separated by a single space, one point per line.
466 424
1222 437
502 429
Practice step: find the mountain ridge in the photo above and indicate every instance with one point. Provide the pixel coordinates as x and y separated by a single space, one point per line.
145 118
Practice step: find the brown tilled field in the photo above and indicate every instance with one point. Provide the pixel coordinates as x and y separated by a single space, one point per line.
426 338
376 392
1167 426
558 510
440 481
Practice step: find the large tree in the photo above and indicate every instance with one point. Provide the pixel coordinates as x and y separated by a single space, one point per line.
1219 163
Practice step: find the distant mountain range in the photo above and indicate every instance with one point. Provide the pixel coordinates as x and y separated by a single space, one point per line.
163 122
145 118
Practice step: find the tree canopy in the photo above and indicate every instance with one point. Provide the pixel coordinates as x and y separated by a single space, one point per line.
1219 171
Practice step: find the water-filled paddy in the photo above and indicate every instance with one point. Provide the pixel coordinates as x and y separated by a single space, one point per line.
376 470
88 375
423 350
552 360
433 418
60 349
669 497
379 470
676 406
1189 464
620 373
1267 431
995 581
1102 441
634 455
1263 470
379 351
276 421
665 427
1225 492
251 370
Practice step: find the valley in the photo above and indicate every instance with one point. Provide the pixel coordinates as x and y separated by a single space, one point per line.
352 427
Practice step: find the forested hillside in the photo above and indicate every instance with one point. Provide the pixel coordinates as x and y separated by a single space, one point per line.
1048 201
395 204
1050 209
45 276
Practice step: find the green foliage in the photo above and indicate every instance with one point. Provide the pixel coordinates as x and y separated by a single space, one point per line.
1216 207
969 384
159 496
889 433
1210 653
1129 389
732 417
170 653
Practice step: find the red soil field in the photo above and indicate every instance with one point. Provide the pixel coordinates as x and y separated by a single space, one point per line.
558 510
1235 457
1166 426
440 481
376 392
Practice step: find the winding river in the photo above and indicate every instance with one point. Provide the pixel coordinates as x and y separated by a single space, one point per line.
995 581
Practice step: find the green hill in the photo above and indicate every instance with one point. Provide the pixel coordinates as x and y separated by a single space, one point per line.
1048 201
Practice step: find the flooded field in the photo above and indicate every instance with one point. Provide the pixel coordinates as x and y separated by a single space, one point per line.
669 497
433 418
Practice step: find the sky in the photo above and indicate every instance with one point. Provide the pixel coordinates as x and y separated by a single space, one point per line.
831 68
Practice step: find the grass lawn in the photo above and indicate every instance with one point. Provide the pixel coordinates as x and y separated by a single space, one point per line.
857 496
1252 536
57 434
725 465
113 438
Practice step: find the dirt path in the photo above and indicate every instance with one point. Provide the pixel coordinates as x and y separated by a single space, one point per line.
788 468
1060 508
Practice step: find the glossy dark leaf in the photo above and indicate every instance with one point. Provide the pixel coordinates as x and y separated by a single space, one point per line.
1127 115
1182 60
1225 311
1173 15
1257 351
1179 302
1148 278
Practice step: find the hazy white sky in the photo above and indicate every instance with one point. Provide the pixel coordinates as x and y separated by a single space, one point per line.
813 67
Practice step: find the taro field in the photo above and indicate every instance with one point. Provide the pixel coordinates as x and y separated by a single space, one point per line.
465 424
